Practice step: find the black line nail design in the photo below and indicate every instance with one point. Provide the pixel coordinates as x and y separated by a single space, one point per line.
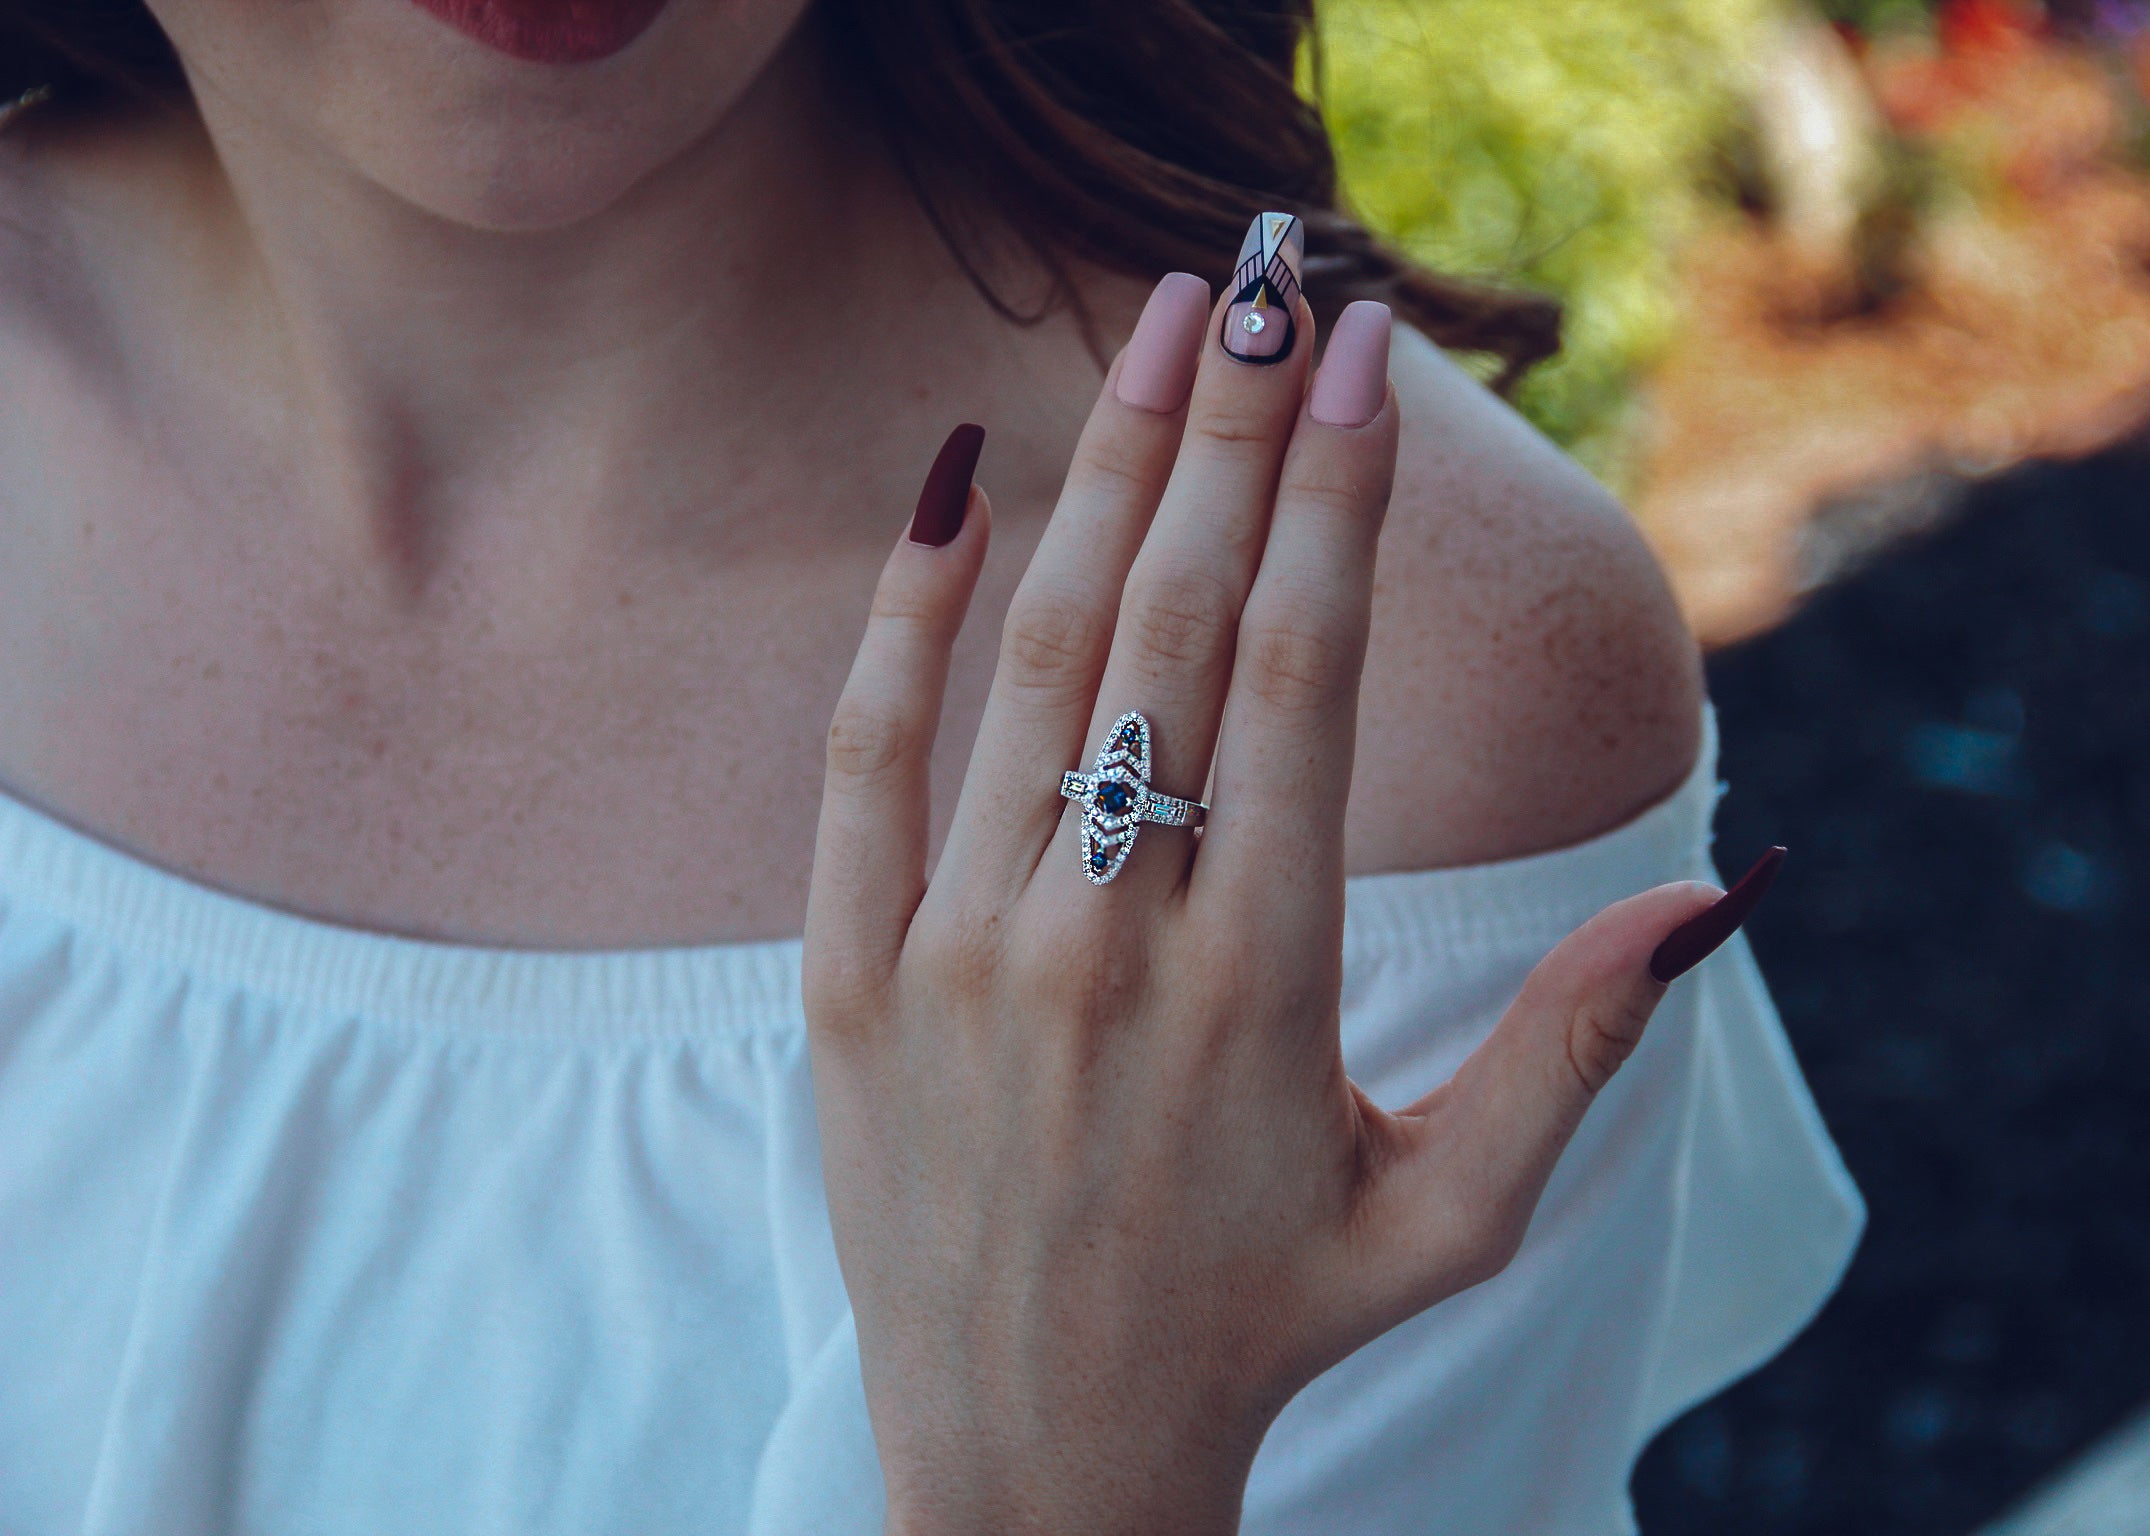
1260 324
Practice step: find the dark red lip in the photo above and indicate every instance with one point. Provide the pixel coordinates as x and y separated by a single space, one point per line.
549 31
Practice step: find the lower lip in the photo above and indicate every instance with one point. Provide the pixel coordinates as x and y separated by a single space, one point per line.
549 31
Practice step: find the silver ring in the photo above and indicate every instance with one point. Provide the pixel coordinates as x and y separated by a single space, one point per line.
1117 799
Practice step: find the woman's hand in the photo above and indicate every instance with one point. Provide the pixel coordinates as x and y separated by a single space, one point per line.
1103 1194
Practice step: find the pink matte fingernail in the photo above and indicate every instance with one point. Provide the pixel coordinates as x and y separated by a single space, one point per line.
1157 370
1353 383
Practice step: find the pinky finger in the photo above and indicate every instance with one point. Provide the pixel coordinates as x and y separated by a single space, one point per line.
1476 1153
870 850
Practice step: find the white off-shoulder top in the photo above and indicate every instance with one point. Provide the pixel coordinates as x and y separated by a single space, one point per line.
319 1232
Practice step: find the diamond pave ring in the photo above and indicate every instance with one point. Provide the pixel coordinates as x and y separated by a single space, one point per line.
1116 799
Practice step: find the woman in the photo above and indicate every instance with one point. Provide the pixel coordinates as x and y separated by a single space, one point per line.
451 449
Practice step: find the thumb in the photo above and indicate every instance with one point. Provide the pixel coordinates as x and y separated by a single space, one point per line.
1478 1150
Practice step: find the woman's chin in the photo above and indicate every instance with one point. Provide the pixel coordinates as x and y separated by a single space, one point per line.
528 183
486 137
511 115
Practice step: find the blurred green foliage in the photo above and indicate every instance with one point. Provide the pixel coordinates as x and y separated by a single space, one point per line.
1875 17
1566 145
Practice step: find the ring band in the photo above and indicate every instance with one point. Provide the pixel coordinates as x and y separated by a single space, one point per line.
1116 799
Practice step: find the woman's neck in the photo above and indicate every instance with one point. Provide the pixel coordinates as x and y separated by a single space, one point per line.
760 315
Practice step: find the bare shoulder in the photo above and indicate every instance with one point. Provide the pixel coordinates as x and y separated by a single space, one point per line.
1530 682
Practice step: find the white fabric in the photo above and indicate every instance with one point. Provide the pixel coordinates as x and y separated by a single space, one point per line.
316 1231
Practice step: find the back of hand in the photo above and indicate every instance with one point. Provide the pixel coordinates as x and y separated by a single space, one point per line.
1104 1196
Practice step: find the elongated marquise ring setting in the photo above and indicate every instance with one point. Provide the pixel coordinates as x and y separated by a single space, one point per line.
1116 799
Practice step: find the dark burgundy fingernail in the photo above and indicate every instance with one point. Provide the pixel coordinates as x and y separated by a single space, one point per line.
1688 945
946 498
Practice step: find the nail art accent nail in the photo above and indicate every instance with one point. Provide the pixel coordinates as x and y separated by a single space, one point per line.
1688 945
1260 324
946 497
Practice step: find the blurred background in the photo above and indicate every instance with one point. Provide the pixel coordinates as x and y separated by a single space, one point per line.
1859 324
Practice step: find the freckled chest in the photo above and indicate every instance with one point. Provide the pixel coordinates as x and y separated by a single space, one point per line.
618 761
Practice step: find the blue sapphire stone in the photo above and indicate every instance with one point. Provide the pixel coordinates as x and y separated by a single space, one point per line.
1113 798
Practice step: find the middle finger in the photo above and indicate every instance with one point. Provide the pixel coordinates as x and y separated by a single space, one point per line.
1178 622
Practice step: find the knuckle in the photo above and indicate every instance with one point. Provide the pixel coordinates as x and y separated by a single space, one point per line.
901 603
866 740
1494 1241
1301 661
842 991
1185 615
1113 469
1243 959
1089 982
1334 487
1053 635
1601 1036
1237 425
965 961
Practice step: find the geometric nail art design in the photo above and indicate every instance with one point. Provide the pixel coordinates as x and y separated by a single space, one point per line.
1260 324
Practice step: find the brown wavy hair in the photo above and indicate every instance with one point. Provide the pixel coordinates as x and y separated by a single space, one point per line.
1140 136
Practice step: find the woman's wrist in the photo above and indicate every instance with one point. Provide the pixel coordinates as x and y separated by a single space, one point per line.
1029 1439
1065 1490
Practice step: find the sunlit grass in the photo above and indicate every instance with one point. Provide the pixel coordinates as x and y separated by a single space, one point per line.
1565 145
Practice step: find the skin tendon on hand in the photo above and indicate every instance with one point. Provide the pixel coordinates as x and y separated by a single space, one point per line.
1104 1196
